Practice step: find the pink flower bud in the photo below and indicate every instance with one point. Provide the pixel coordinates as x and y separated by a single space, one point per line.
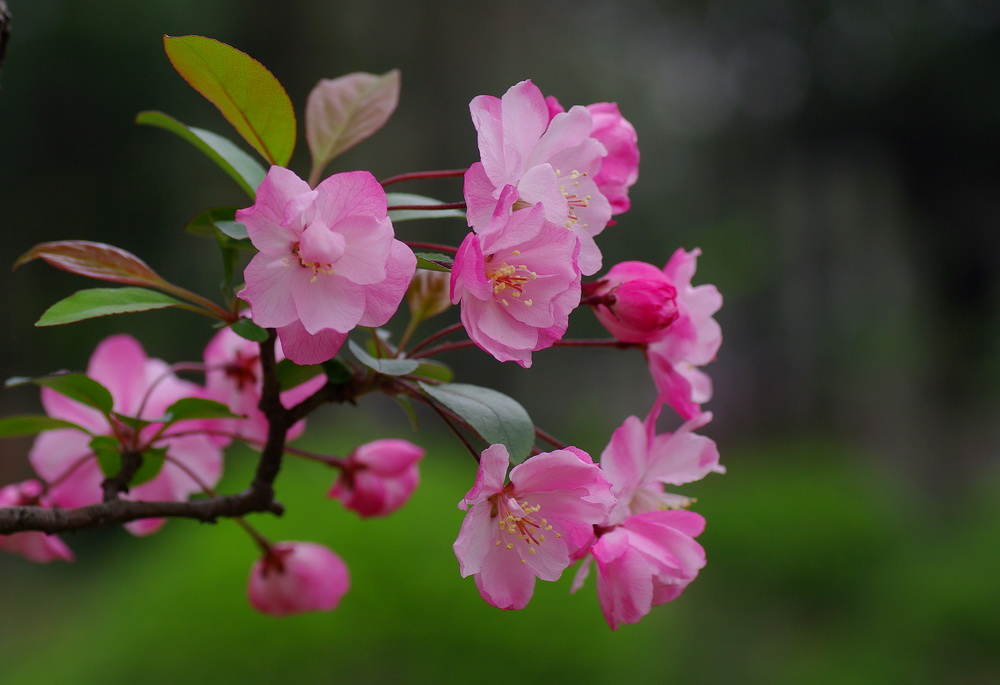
635 302
378 477
32 545
294 577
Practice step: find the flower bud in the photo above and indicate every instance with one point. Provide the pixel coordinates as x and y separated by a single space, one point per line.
635 302
294 577
378 477
32 545
429 293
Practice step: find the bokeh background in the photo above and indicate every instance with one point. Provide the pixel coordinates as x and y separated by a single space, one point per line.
835 160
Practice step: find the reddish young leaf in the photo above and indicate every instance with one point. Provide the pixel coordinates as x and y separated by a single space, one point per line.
342 112
94 260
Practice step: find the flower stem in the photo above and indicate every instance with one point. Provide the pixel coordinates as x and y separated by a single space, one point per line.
443 205
450 173
436 336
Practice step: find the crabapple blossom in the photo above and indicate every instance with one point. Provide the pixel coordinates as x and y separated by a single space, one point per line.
378 477
141 388
634 301
328 260
645 561
639 462
233 377
517 281
690 341
620 167
645 552
548 161
32 545
532 525
295 577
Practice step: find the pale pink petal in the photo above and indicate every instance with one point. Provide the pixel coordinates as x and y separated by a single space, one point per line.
382 299
352 193
326 301
368 242
269 290
264 220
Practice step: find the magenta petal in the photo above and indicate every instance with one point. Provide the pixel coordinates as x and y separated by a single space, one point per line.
296 577
305 348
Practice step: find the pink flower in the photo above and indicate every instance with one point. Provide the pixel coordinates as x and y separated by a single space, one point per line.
639 462
294 577
327 262
517 281
142 388
530 527
634 301
32 545
645 561
691 341
553 162
620 167
233 377
378 477
645 551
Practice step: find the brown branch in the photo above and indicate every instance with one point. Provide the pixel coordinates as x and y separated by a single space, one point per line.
112 487
17 519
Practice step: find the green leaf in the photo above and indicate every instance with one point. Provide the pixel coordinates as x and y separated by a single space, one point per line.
203 224
152 462
389 367
407 404
433 370
198 408
94 302
397 215
495 416
292 375
342 112
133 422
337 372
221 223
246 93
109 456
75 386
95 260
232 229
433 261
31 424
243 168
245 328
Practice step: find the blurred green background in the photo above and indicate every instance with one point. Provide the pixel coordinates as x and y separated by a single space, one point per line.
836 162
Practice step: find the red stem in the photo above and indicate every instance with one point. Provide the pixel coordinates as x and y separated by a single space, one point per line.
432 246
443 205
450 173
436 336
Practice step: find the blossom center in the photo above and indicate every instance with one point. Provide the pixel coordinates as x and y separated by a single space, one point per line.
509 280
518 525
574 200
318 249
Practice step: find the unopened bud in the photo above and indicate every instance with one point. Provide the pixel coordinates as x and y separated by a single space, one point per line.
429 293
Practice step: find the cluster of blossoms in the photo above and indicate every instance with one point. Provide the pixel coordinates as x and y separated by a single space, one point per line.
327 262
